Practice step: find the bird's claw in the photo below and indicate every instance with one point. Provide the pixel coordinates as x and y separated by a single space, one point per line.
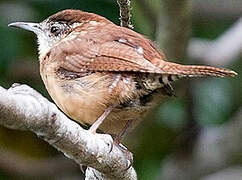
127 153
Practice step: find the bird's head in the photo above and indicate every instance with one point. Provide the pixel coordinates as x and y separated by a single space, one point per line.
56 27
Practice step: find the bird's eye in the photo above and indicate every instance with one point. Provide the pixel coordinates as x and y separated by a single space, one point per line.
55 30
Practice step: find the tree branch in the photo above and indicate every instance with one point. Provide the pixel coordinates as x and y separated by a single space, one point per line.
221 51
22 108
125 15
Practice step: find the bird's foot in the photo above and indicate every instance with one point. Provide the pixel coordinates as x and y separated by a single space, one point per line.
122 148
83 168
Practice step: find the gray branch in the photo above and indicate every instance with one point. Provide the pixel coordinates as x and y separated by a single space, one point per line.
221 51
22 108
125 15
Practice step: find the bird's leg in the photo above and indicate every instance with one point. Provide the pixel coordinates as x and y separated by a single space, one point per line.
99 121
117 140
94 128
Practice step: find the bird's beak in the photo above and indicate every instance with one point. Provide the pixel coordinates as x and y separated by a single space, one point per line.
33 27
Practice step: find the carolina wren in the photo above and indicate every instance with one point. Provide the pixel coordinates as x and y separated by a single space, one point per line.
102 74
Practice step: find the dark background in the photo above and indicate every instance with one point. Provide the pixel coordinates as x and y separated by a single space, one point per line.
215 101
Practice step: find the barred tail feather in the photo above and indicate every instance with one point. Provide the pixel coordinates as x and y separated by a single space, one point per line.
196 70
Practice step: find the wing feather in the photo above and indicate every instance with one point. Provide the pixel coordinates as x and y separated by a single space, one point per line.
122 51
83 54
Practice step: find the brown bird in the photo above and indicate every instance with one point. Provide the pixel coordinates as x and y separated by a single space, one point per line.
102 74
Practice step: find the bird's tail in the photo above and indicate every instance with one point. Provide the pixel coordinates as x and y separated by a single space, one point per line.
195 70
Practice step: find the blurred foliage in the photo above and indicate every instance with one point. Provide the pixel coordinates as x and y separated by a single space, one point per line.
209 29
215 99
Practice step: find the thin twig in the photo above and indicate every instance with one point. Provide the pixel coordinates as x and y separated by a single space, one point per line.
125 15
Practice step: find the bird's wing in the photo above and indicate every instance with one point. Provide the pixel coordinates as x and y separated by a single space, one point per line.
118 53
123 50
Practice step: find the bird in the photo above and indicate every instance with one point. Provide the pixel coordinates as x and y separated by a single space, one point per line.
104 75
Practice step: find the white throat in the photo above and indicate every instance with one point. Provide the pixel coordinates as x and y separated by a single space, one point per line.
43 44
